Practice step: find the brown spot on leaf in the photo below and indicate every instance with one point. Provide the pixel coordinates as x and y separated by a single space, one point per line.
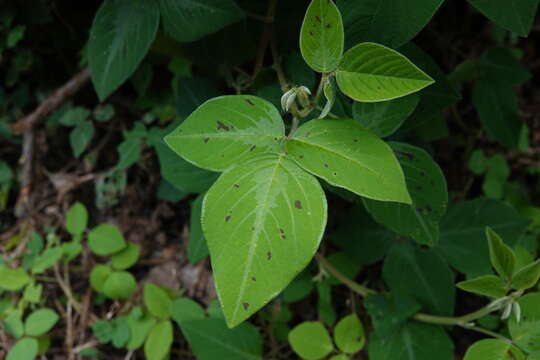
222 126
250 102
325 165
227 218
252 148
282 231
311 33
328 26
246 306
301 156
419 187
318 19
268 255
407 155
355 140
298 204
206 140
254 278
236 186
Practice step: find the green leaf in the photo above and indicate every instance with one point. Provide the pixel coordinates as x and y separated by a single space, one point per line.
190 93
127 257
434 99
182 174
159 341
13 279
139 329
24 349
371 72
32 293
47 259
527 276
363 239
513 15
321 36
233 126
493 349
462 240
183 309
80 137
413 341
211 339
197 249
157 301
384 118
76 219
477 162
487 285
119 285
330 95
98 277
526 333
13 324
120 37
40 322
346 155
263 221
103 113
299 288
349 334
500 63
190 20
496 103
324 303
501 255
106 239
129 152
390 23
310 340
421 275
74 116
427 187
389 314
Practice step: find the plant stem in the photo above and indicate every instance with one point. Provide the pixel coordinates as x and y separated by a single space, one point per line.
294 126
464 321
319 90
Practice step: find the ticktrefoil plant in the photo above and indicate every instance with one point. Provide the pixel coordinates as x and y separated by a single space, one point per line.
264 217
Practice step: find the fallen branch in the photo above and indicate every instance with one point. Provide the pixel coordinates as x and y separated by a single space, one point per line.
52 102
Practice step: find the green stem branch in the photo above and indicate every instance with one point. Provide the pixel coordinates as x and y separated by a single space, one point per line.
464 321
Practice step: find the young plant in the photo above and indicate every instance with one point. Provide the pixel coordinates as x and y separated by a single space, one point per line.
264 217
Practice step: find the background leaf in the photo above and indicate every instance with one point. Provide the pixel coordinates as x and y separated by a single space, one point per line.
24 349
427 187
493 349
197 248
106 239
263 221
384 118
310 340
190 20
159 341
462 240
157 301
513 15
121 35
422 275
76 219
349 334
389 23
40 322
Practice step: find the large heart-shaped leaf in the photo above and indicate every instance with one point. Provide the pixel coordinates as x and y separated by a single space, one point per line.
514 15
121 35
263 220
346 155
190 20
321 36
224 129
372 72
427 186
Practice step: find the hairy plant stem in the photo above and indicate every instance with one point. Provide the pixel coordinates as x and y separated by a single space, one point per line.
465 321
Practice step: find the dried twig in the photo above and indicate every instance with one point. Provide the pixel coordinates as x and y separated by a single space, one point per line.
52 102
